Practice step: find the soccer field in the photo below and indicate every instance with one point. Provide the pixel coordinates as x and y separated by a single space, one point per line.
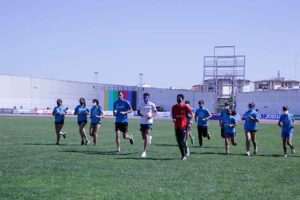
32 167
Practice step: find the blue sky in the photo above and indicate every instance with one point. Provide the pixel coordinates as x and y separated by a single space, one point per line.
164 39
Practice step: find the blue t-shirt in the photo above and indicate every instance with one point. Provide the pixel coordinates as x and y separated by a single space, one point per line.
121 106
223 115
229 124
96 111
59 113
202 113
287 121
81 113
250 124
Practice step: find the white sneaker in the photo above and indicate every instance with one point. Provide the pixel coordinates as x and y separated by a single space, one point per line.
293 151
248 153
150 140
285 155
184 158
144 155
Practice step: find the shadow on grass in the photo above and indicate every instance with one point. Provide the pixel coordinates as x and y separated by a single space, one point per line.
104 153
49 144
197 147
165 145
145 159
242 154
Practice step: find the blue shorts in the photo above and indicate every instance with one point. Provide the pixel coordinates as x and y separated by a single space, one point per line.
145 127
285 134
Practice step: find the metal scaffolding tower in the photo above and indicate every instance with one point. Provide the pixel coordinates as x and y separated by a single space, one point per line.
224 73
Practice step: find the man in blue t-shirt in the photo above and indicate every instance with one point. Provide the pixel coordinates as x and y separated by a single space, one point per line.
223 116
202 116
121 110
286 122
251 118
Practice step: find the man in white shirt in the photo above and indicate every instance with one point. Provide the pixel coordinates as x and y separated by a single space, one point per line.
147 111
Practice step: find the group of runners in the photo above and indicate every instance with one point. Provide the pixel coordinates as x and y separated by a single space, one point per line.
183 116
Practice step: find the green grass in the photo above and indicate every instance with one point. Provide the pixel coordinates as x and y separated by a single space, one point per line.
32 167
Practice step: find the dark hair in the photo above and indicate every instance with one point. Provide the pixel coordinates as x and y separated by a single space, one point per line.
82 101
146 95
96 101
233 112
251 105
59 101
285 108
201 102
180 95
187 102
120 93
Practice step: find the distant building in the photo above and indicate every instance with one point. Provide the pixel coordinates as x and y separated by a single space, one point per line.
225 85
276 84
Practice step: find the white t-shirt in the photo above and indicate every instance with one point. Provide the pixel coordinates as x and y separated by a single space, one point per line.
147 110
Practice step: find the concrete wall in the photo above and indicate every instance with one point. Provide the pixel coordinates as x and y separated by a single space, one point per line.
32 93
270 102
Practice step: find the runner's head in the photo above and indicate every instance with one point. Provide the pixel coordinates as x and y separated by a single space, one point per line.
187 102
251 105
146 97
229 112
59 102
201 103
82 102
95 102
120 95
285 109
180 98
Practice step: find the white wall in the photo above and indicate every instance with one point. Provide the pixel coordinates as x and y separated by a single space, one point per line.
270 102
42 93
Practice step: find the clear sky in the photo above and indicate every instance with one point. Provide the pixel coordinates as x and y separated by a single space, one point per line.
164 39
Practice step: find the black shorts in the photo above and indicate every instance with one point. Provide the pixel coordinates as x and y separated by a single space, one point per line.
251 131
202 131
145 127
123 127
61 122
81 122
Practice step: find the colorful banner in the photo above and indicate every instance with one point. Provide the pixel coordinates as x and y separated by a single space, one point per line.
111 96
